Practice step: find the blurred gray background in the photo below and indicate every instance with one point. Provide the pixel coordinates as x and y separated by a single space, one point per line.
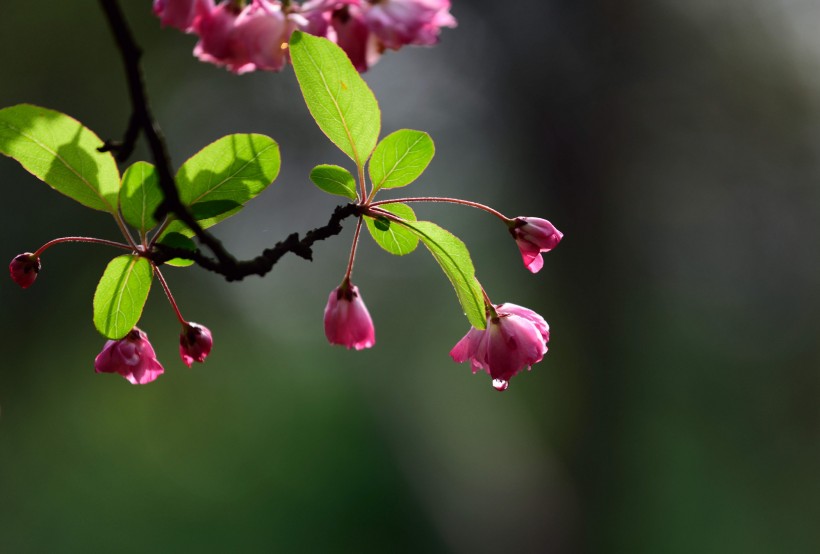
675 144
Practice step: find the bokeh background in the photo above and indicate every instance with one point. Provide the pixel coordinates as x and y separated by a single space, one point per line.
675 143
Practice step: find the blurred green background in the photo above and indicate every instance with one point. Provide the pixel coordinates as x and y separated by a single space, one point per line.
675 144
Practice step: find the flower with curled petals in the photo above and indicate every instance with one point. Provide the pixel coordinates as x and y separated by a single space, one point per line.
400 22
515 338
533 236
132 357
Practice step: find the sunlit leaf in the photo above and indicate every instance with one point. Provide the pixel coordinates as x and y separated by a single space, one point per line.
393 237
226 174
62 152
121 295
334 180
400 158
140 196
336 95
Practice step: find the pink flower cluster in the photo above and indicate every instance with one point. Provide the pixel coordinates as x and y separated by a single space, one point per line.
134 358
249 36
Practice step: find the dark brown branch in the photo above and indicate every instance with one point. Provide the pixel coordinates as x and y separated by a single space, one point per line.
143 121
263 263
124 148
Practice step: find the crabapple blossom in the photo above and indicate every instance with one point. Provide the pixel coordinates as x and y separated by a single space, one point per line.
254 38
132 357
24 269
515 338
195 343
347 321
178 13
533 236
400 22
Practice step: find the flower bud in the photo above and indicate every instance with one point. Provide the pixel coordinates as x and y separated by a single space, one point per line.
347 321
534 235
24 269
195 343
132 357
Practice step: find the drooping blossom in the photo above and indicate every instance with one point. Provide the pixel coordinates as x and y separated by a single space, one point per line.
400 22
533 236
347 321
178 13
24 269
515 338
343 22
214 25
195 343
132 357
254 38
354 37
260 38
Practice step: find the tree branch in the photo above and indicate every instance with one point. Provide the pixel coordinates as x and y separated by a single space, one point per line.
263 263
143 121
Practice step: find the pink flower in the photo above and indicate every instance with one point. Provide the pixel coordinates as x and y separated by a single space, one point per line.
195 343
533 236
214 26
132 357
354 37
255 38
178 13
400 22
342 21
347 321
515 338
24 269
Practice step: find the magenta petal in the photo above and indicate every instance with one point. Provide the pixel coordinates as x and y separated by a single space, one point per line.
514 340
24 269
347 321
195 343
132 357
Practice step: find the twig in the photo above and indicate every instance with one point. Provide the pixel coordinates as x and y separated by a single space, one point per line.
263 263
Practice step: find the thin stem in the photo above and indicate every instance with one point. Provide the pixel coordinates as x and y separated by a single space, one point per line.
169 295
160 230
353 250
487 209
488 304
124 230
362 185
93 240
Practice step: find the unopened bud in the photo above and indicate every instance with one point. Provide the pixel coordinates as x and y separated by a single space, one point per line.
195 343
24 269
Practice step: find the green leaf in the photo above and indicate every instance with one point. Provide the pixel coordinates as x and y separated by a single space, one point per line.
62 152
400 158
228 173
336 95
391 236
121 295
140 196
334 180
178 240
454 258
